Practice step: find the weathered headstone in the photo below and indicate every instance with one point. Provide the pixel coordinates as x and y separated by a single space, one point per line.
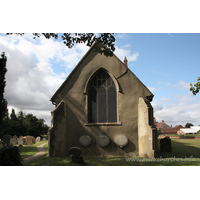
15 137
24 140
33 140
13 141
76 156
20 141
85 140
1 144
29 140
43 139
6 140
121 140
165 144
102 140
38 139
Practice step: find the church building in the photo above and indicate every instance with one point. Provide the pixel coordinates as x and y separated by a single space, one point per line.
104 109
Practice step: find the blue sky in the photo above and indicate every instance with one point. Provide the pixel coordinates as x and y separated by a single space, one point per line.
165 63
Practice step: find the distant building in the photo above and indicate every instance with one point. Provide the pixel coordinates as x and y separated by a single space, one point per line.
184 131
165 128
197 128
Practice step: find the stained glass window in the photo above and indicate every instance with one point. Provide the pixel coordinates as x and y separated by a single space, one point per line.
102 99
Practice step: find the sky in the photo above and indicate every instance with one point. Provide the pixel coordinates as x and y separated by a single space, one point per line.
165 62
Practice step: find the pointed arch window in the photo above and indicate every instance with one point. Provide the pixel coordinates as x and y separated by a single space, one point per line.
102 99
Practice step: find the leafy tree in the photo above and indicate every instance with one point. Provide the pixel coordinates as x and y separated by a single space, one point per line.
3 70
188 125
14 124
105 41
22 123
196 87
3 102
159 131
36 127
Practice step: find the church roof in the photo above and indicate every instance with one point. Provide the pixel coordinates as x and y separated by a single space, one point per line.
150 97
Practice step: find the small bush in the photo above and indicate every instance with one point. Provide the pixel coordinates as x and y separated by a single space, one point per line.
10 156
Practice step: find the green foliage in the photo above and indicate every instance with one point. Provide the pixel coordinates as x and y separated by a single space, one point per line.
198 132
159 131
196 87
10 156
23 124
3 103
105 41
188 125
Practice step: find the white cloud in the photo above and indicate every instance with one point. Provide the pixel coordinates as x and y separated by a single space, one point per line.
32 79
181 85
179 110
152 89
121 53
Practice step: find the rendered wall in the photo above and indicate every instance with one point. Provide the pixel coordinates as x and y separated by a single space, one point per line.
74 123
147 134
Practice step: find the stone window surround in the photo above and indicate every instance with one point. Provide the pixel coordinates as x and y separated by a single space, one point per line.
86 92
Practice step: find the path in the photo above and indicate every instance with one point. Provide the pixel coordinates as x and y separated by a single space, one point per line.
41 151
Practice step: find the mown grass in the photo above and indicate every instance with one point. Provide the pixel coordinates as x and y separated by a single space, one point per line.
185 152
29 150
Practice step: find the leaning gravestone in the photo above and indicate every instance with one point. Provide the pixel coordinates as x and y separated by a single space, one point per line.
29 140
20 141
13 141
6 140
38 139
75 153
165 144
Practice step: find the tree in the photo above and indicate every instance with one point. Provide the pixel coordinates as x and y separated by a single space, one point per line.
196 87
3 103
36 127
188 125
105 41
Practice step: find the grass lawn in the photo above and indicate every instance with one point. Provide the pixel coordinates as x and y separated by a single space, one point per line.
29 150
185 152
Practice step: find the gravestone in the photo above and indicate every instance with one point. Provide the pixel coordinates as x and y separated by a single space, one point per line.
102 140
15 137
6 140
29 140
13 141
38 139
33 140
43 139
20 141
1 144
85 140
24 140
121 140
76 156
165 144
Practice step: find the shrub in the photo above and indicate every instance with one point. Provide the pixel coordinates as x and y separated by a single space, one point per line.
10 156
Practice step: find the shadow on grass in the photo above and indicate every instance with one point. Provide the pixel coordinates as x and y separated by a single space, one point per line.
185 152
183 148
